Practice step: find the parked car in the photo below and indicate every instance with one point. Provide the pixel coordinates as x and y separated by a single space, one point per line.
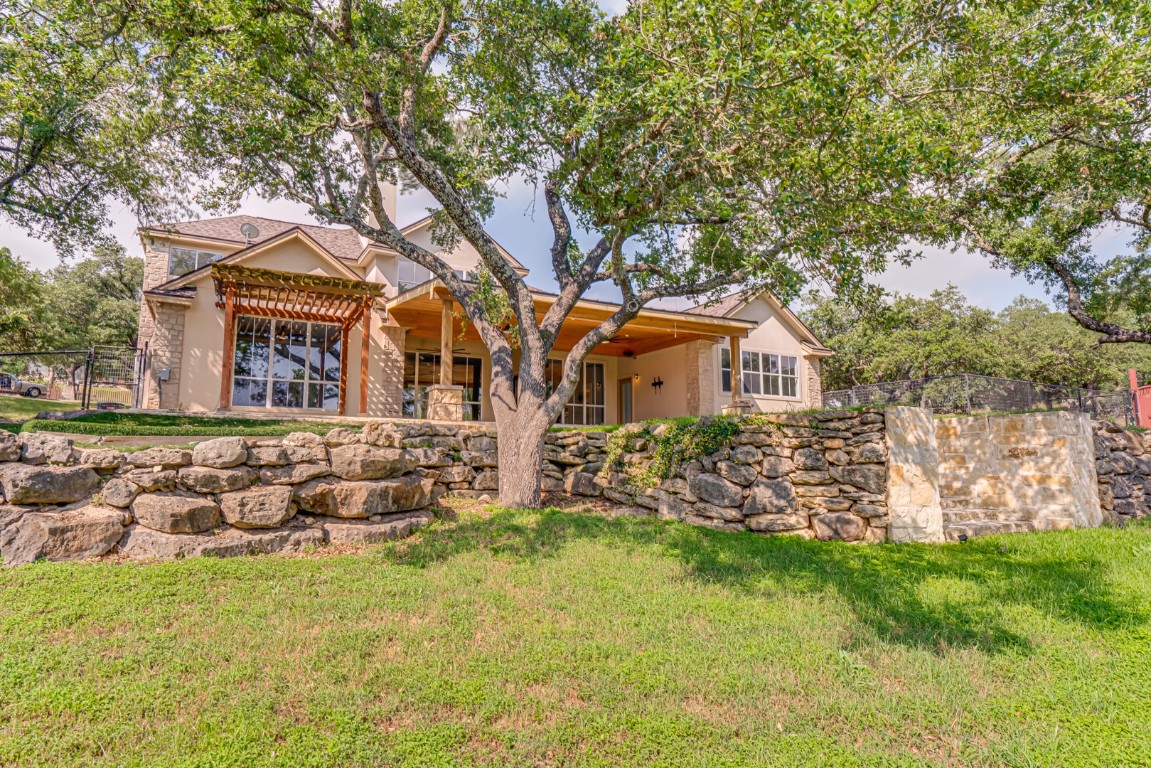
10 385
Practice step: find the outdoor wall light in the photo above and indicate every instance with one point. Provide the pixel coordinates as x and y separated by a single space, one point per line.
657 384
635 378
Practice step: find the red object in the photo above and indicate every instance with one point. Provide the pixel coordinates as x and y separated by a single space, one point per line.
1141 399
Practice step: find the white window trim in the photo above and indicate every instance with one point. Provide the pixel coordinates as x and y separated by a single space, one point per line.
798 376
215 256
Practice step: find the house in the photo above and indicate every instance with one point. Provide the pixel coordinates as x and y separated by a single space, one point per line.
246 314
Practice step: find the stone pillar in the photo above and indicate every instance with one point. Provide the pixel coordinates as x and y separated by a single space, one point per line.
445 402
813 393
913 475
387 380
167 351
701 378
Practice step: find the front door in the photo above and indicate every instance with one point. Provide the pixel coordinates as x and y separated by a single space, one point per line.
625 400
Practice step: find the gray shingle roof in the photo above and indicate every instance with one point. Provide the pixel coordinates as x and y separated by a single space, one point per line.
339 241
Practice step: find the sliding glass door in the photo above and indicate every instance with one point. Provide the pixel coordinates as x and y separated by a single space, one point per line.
422 370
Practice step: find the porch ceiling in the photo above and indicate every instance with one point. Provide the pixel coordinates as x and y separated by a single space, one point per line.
420 310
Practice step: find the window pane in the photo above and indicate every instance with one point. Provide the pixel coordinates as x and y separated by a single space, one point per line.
752 383
725 379
789 386
204 258
750 361
331 397
287 394
428 370
573 414
771 364
725 359
771 384
181 261
595 384
595 415
787 365
249 392
578 397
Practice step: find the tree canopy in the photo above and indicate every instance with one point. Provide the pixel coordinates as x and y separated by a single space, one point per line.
77 123
906 337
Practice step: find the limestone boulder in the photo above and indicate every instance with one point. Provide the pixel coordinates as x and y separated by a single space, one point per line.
671 508
365 462
482 444
771 496
740 474
487 459
842 526
10 513
382 435
582 484
262 507
211 480
457 474
341 436
238 543
119 492
367 532
809 458
267 456
745 454
46 484
730 514
46 448
777 523
430 457
221 453
870 477
141 543
361 499
10 447
487 481
776 466
76 534
165 458
176 512
293 474
153 480
100 459
716 490
870 453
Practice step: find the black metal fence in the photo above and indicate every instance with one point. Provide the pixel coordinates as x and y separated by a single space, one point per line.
971 393
101 376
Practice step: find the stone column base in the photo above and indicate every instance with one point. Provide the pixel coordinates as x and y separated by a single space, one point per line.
445 402
739 408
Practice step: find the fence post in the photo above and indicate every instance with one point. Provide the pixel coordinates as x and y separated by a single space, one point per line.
967 391
86 391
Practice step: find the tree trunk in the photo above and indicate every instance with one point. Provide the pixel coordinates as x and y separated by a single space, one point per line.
521 448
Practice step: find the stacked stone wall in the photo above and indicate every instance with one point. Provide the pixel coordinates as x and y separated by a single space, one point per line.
1123 467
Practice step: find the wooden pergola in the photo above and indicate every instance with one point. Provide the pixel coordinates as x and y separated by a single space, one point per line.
293 296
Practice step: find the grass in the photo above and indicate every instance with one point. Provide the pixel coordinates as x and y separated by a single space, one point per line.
155 424
555 638
20 408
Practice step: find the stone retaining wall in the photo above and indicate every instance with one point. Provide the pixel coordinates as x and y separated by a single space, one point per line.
1123 467
227 497
819 475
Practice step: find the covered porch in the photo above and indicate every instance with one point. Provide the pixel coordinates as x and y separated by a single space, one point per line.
662 363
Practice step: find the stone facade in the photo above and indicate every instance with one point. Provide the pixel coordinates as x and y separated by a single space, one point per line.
1123 467
913 475
165 351
813 393
819 475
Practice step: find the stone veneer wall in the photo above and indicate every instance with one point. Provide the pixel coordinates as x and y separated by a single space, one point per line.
819 475
1123 467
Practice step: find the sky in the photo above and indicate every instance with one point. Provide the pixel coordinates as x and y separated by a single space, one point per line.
520 224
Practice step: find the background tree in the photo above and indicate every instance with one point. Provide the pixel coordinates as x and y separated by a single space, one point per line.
1054 101
905 337
701 145
95 301
23 316
76 121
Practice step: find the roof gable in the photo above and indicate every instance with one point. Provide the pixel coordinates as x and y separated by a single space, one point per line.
728 305
262 247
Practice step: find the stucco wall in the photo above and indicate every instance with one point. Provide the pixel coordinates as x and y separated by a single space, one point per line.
772 335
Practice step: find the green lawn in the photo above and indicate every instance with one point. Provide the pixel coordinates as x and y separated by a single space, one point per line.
157 424
21 408
557 638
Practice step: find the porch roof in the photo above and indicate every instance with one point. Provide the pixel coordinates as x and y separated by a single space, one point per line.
420 309
291 295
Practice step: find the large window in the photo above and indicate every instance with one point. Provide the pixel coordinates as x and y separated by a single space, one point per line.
586 405
422 370
764 373
181 261
410 274
286 364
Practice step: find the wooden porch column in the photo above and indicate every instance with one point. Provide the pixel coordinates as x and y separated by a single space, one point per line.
446 325
365 345
227 364
344 352
736 368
